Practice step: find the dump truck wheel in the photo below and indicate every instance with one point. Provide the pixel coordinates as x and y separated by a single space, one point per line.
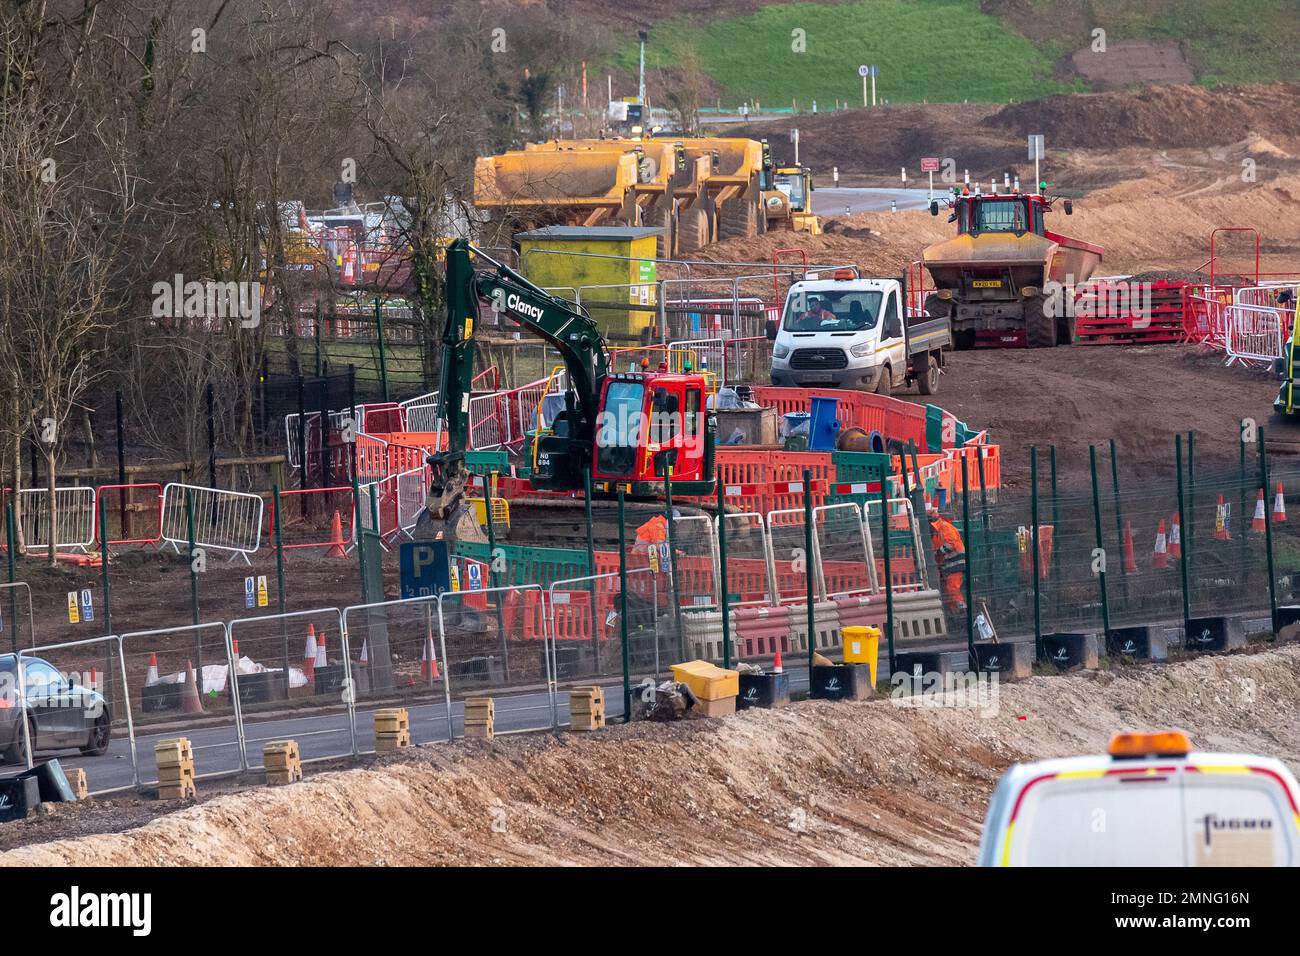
925 369
1065 330
1040 329
738 219
692 230
660 216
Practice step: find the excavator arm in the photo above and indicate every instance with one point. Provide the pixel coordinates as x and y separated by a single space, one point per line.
566 327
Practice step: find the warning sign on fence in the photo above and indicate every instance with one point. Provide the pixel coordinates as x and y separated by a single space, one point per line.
74 614
87 605
262 598
250 596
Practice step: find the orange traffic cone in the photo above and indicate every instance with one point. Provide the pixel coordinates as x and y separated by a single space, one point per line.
429 660
321 659
190 702
151 677
1221 521
309 655
1130 562
1176 539
1161 559
234 649
1279 506
336 548
776 664
1259 522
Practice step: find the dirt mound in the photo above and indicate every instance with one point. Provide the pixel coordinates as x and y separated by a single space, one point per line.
1160 116
814 783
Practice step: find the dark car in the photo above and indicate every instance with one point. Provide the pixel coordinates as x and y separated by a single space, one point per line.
61 713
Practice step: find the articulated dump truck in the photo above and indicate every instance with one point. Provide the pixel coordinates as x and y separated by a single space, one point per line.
991 279
697 191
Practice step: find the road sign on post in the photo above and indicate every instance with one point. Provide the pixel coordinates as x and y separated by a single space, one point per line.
930 164
864 71
424 568
1036 150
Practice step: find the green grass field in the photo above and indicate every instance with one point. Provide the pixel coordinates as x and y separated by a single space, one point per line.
950 51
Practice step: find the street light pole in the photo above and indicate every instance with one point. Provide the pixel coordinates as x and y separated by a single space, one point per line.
642 35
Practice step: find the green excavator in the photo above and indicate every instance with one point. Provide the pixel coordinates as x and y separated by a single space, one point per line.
622 429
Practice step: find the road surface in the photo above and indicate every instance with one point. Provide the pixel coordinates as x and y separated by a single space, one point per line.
216 746
833 201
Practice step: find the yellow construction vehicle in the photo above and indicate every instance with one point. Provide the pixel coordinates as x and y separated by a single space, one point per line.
787 200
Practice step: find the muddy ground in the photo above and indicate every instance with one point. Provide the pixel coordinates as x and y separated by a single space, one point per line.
814 783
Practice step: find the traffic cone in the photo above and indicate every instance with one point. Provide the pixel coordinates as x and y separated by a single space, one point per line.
1279 506
1259 522
190 703
234 648
309 655
336 548
1176 539
322 660
429 661
1161 559
776 664
1221 521
151 677
1130 562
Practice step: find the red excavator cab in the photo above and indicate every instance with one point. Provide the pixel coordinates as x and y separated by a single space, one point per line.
650 422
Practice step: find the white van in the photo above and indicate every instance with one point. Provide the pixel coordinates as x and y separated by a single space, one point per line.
846 332
1150 801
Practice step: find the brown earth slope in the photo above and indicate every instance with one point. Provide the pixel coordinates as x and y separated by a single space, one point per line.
815 783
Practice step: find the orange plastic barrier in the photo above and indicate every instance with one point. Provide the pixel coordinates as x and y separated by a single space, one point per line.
892 417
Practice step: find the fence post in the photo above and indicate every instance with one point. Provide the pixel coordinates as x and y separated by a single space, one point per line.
970 588
1241 503
723 597
1056 536
889 575
279 570
808 570
591 563
13 595
622 607
492 569
383 361
1186 542
302 442
1096 520
1033 515
317 336
103 569
194 583
1119 521
672 563
121 469
1268 530
212 441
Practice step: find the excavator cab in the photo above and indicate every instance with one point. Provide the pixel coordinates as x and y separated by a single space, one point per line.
649 425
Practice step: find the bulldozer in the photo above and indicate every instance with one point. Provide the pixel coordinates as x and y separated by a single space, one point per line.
992 278
787 200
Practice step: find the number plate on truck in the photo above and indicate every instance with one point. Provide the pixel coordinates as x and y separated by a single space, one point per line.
986 284
816 377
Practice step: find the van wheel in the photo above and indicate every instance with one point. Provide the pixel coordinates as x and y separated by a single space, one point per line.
926 373
885 382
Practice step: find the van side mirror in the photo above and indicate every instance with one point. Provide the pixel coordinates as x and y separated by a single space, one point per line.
773 326
1069 208
934 207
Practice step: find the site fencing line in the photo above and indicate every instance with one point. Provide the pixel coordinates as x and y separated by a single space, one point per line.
139 512
11 620
223 520
172 651
321 675
1255 334
64 706
74 517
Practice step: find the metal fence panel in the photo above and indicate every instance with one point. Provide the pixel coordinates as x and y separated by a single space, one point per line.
223 520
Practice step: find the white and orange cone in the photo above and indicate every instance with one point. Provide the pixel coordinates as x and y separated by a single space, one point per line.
1279 506
776 664
309 655
1161 559
322 660
1176 539
151 677
1259 522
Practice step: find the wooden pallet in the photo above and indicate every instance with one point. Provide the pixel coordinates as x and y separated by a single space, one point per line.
586 708
175 760
480 717
282 761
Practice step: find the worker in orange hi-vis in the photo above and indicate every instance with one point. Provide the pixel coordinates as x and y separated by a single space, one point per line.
950 555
